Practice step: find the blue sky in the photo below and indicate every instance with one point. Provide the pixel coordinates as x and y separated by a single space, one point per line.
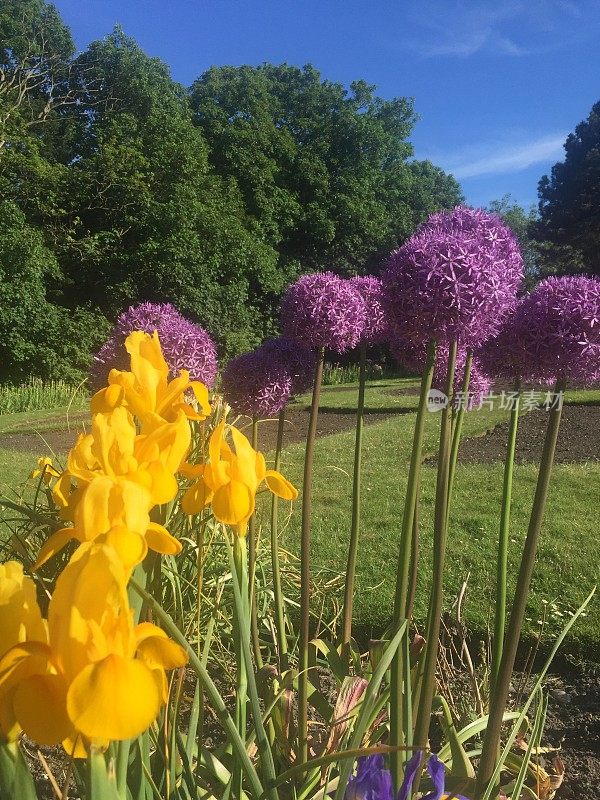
497 85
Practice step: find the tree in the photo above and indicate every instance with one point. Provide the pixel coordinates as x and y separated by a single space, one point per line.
35 57
569 203
37 338
323 171
522 223
146 218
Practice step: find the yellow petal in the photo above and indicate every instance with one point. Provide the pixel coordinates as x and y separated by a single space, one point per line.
201 395
107 399
216 448
114 699
74 746
280 485
244 465
233 503
54 544
191 470
156 649
39 704
160 540
131 546
92 511
167 441
196 498
62 490
88 616
10 730
20 616
164 483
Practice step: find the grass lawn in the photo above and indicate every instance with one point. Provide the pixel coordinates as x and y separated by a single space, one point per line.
568 563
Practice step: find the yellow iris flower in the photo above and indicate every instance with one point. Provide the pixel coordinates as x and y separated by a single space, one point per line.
45 469
230 480
120 477
20 621
94 677
146 390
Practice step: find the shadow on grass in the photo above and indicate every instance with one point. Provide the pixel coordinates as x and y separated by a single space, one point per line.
386 411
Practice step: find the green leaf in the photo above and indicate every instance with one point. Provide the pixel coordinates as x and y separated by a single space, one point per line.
15 777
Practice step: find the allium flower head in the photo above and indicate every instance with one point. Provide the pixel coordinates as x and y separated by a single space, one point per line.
299 361
376 323
456 278
262 382
185 345
553 334
323 310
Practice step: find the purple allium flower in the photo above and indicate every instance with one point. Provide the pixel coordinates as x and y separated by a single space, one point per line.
376 322
553 334
323 310
456 278
262 382
414 359
184 344
299 361
371 782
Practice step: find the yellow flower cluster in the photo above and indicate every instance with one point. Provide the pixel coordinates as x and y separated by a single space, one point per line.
87 674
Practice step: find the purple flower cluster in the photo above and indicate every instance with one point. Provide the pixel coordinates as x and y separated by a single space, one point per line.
456 278
553 334
323 310
262 382
376 322
414 359
185 345
374 782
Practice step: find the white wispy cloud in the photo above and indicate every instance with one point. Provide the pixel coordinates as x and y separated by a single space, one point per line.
500 158
507 27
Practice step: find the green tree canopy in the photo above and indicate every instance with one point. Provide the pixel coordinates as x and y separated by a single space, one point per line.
522 222
570 203
36 337
35 52
118 185
147 217
323 171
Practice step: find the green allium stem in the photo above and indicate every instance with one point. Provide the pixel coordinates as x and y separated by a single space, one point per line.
458 423
240 619
501 568
499 698
277 590
439 552
252 545
305 561
414 559
355 521
401 598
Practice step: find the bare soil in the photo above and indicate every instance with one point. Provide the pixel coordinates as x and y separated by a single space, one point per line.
578 438
573 722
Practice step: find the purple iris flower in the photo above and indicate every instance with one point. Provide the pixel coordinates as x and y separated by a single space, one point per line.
437 773
374 782
371 782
